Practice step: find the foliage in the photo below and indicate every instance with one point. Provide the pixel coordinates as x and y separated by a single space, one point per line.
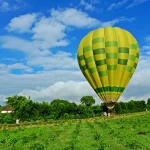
15 101
148 104
87 100
130 107
148 101
28 110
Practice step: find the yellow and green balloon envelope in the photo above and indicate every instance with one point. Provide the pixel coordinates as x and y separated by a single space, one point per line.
108 58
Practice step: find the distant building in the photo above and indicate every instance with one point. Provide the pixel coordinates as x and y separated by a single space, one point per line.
7 110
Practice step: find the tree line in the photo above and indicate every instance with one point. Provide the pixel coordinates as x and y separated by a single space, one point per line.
27 110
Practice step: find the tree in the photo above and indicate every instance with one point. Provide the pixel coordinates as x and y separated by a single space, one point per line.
72 108
25 111
59 107
148 101
97 110
15 101
87 100
131 106
148 104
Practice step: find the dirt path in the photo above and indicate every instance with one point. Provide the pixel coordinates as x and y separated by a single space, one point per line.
73 121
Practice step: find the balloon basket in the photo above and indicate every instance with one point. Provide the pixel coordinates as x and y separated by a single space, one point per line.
111 112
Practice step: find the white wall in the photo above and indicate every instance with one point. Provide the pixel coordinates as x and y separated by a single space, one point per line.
5 111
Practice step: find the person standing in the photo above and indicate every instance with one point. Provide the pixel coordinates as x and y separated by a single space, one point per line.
17 122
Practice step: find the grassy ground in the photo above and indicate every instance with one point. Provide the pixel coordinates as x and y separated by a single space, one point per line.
129 132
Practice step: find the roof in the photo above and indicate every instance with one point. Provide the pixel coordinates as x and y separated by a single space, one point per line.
8 109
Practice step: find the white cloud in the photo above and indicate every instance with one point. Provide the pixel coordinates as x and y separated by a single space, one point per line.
28 47
75 18
50 33
22 23
59 60
136 2
117 20
38 57
88 6
70 90
117 5
5 69
19 66
13 84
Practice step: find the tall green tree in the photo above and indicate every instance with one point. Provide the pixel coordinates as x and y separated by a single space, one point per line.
87 100
59 107
131 106
15 101
24 112
148 104
148 101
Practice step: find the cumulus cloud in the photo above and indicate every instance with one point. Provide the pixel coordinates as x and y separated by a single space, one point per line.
70 90
19 66
75 18
44 32
4 69
28 47
60 60
50 33
22 23
13 84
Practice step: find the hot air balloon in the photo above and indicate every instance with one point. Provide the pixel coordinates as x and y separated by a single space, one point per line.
108 58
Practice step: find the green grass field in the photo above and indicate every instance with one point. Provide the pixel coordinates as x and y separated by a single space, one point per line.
130 132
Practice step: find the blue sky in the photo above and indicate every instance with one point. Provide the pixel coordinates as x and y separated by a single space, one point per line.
39 41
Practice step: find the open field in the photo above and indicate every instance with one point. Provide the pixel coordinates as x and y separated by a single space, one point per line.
126 132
